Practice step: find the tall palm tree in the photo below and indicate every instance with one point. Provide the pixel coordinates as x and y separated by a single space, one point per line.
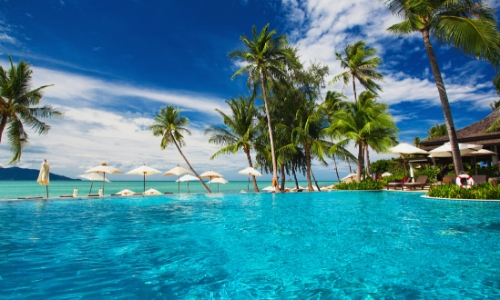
468 25
266 57
361 64
416 141
170 125
17 102
239 130
361 122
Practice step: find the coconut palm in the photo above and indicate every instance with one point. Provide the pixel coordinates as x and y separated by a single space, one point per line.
416 141
17 101
239 130
436 131
266 57
361 64
171 126
361 122
468 25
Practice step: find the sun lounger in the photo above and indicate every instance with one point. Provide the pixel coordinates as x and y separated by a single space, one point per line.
30 197
449 179
168 193
479 179
66 196
394 185
93 195
421 182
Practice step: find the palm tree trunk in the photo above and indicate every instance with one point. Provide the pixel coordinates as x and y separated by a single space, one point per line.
457 158
336 169
354 89
349 164
2 126
315 182
360 161
189 165
269 128
282 177
295 177
368 170
308 169
247 152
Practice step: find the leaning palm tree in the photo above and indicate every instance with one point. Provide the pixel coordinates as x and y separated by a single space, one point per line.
361 64
468 25
17 102
266 57
239 131
170 125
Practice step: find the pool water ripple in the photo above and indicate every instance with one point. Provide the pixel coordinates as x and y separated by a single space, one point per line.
339 245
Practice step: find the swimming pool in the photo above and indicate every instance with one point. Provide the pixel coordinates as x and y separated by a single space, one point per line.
305 245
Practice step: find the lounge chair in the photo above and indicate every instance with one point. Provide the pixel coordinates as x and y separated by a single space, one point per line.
480 179
30 197
93 195
449 179
421 182
396 184
66 196
168 193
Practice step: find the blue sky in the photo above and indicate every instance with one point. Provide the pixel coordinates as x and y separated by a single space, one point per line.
114 64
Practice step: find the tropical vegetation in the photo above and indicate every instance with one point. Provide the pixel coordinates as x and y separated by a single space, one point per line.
468 25
170 126
484 191
18 107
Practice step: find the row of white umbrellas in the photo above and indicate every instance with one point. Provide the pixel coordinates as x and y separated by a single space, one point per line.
92 174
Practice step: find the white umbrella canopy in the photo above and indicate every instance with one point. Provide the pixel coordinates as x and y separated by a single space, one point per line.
103 169
404 149
269 188
44 176
177 171
145 171
446 147
218 181
349 176
187 178
210 174
152 192
125 192
250 172
93 177
385 174
463 152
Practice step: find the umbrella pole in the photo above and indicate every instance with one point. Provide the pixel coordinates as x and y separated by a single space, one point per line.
103 180
188 188
90 192
248 185
47 189
144 182
178 185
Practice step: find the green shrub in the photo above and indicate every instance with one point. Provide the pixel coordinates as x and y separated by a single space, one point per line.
366 184
432 172
481 191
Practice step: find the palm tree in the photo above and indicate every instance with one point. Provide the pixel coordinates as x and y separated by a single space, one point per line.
361 64
436 131
239 130
416 141
468 25
361 122
16 107
170 125
266 57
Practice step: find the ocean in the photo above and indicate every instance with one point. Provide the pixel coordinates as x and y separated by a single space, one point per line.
17 189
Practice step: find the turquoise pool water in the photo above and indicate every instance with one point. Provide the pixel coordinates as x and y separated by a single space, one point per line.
337 245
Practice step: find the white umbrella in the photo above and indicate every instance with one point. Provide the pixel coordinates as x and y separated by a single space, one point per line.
479 152
446 147
103 169
152 192
177 171
44 176
187 178
125 192
93 177
385 174
250 172
269 188
218 181
349 176
404 149
144 170
210 174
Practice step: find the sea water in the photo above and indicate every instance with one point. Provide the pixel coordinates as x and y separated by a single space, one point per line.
17 189
328 245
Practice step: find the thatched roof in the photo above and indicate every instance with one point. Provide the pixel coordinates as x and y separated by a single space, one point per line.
474 134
